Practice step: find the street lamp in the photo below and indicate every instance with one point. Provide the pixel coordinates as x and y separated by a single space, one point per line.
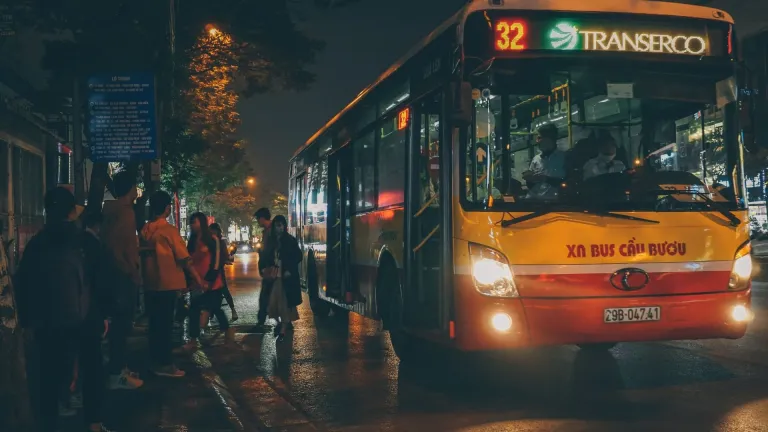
251 181
212 30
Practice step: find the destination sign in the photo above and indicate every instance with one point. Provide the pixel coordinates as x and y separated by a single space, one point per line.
684 38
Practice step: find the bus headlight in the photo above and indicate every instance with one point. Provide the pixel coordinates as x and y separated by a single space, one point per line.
741 273
491 272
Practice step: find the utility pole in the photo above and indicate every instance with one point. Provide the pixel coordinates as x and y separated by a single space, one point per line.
77 142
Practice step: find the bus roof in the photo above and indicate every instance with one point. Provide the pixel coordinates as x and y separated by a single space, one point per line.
639 7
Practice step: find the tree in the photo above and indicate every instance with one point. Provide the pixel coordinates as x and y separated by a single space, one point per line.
278 204
210 94
235 204
94 36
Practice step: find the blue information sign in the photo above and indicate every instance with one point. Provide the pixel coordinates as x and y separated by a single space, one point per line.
122 117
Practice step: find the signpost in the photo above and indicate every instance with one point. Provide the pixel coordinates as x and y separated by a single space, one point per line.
123 122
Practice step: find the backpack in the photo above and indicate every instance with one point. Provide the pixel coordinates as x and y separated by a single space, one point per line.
53 279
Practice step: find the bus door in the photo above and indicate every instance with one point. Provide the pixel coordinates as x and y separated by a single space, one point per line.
299 199
422 295
339 224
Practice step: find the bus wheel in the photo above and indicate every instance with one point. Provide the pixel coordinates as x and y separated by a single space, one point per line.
403 343
597 346
320 308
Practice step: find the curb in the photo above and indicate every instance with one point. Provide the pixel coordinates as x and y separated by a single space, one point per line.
264 405
214 382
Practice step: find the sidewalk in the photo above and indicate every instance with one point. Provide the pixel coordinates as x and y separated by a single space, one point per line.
190 404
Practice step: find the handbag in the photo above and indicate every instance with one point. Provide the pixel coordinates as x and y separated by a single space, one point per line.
271 272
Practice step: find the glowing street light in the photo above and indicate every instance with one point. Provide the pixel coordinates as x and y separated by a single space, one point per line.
212 30
251 181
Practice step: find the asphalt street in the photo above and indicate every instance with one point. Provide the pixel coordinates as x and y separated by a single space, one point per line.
341 374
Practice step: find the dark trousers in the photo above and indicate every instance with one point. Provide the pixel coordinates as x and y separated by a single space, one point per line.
210 301
92 371
161 308
266 292
122 325
57 349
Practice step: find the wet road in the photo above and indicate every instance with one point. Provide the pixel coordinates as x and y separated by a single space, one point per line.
343 375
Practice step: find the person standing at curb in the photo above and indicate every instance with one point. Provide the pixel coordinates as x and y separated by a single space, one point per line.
54 298
205 249
121 241
266 261
227 260
165 268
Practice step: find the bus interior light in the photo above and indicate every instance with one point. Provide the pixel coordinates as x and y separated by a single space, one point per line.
741 273
491 272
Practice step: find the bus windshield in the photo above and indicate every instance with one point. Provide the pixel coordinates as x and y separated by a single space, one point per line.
589 136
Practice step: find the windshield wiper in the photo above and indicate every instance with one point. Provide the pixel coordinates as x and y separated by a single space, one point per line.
601 213
709 202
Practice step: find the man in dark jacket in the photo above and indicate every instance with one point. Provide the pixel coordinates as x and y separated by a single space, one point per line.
53 287
119 236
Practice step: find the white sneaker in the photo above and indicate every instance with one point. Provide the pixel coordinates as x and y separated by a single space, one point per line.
169 371
124 381
131 373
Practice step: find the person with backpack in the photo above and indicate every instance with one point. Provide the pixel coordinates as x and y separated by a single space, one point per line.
53 284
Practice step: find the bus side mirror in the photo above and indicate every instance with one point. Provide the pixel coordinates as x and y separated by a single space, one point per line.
461 103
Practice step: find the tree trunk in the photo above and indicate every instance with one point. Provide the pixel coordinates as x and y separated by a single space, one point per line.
15 411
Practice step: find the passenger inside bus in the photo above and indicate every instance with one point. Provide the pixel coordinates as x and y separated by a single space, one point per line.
605 162
571 144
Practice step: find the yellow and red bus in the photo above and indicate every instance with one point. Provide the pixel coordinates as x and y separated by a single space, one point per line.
537 173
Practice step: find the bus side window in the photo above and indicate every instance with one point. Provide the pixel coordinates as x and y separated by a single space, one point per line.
363 193
391 173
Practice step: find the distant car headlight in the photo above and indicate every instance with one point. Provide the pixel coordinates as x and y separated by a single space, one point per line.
491 272
741 273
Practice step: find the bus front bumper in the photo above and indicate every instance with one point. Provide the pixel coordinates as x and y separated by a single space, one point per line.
485 323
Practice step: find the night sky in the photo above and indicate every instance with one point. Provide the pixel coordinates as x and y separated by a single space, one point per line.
362 40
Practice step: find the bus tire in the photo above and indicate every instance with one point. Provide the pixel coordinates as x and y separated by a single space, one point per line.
388 284
320 308
605 346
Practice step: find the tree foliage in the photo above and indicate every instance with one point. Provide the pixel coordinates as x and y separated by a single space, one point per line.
236 204
278 204
221 51
210 93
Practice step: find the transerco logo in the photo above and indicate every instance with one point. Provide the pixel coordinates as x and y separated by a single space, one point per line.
564 37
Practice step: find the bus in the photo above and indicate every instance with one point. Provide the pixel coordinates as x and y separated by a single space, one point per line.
537 173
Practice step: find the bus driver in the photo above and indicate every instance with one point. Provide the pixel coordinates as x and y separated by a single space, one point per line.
547 169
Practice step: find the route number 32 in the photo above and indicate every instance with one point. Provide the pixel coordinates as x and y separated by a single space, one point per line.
509 36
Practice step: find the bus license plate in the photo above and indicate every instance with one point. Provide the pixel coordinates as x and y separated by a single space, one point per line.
633 314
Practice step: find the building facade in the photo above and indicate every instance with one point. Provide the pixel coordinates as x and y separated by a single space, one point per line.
29 163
